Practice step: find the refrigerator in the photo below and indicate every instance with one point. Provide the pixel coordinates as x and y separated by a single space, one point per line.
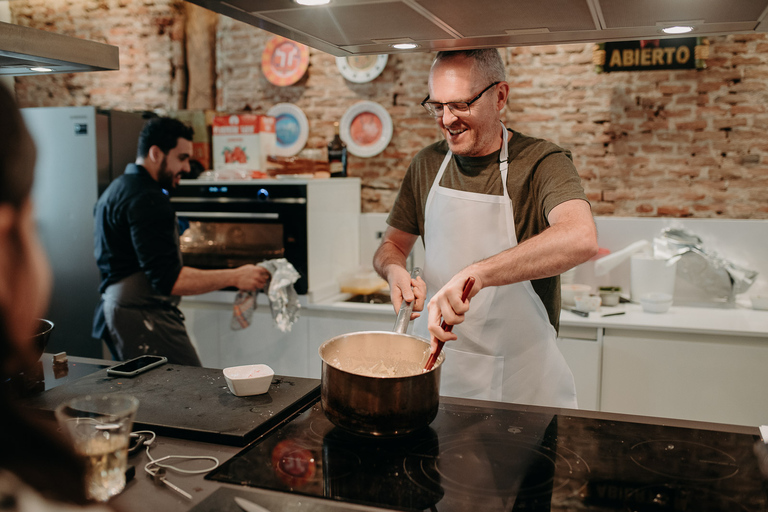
80 150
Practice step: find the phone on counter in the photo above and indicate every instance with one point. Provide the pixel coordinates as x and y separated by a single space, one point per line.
136 366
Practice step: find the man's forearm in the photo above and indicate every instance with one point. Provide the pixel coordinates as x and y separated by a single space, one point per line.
194 281
386 255
552 252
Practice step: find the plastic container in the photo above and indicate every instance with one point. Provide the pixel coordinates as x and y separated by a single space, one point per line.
610 295
252 379
650 275
569 292
588 303
656 302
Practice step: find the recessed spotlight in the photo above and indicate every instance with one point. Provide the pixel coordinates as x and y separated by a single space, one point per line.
41 69
677 29
312 2
404 46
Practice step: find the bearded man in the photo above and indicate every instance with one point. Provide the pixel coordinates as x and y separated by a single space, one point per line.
136 245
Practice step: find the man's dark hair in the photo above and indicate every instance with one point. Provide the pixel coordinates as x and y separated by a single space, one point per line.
163 132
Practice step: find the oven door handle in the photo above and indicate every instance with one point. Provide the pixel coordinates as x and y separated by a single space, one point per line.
229 215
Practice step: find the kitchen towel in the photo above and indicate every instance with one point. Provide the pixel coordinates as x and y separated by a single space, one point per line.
283 299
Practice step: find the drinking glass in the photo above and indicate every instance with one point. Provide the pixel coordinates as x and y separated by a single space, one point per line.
100 427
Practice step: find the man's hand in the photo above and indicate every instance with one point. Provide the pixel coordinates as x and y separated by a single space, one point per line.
447 305
251 277
389 262
402 287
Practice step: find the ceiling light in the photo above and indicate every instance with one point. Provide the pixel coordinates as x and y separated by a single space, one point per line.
41 69
312 2
404 46
677 29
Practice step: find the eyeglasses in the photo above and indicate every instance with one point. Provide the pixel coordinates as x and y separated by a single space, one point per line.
457 108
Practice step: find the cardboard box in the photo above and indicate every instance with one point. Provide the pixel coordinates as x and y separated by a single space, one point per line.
242 142
200 121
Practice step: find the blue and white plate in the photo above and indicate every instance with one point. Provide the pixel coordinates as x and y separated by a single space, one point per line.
291 128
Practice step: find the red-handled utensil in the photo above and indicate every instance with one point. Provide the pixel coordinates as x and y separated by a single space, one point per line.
447 328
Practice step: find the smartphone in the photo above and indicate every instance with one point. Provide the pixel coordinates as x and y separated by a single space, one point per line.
136 366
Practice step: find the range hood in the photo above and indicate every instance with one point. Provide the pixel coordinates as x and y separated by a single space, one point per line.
24 48
367 27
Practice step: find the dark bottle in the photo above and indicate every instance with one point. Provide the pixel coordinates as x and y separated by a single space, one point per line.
337 155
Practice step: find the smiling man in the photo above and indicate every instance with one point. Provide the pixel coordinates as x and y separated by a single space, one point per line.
499 206
136 244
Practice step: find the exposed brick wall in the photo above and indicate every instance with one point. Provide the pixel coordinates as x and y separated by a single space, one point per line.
324 95
661 143
150 38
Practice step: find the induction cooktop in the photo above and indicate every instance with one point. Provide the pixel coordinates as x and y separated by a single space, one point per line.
502 457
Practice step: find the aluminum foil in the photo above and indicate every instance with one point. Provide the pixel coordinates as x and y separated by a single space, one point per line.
283 299
702 267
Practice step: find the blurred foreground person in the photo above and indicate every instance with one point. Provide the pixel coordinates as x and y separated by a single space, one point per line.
39 470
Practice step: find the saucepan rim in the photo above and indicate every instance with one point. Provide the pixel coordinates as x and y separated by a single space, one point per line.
320 350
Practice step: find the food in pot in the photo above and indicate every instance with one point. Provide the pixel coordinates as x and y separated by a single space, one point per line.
378 368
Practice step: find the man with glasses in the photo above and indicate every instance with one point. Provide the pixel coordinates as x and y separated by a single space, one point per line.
499 206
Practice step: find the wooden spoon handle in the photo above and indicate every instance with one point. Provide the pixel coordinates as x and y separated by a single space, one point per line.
448 328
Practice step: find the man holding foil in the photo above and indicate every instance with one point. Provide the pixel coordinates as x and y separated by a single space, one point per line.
137 251
499 206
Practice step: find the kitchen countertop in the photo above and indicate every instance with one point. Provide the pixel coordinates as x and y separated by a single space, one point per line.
738 320
141 494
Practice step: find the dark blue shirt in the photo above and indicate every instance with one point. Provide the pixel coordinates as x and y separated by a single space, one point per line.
135 230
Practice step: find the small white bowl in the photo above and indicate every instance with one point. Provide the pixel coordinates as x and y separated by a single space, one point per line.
656 302
569 292
252 379
759 302
588 303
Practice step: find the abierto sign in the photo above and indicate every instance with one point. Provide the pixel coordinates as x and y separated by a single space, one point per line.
651 54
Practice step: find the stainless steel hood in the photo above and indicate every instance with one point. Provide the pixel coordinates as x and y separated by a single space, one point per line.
356 27
22 48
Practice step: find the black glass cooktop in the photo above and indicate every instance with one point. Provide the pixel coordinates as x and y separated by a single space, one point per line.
509 458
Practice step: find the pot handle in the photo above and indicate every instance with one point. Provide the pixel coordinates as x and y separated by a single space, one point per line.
404 315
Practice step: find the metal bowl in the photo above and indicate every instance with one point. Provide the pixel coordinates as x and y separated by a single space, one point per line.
41 336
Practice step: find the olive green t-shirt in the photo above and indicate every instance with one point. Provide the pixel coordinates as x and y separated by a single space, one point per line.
541 175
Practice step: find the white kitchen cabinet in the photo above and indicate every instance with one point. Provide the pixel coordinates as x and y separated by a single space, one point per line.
582 349
208 325
715 378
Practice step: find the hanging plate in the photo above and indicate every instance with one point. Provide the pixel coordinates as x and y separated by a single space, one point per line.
283 61
366 128
361 68
291 128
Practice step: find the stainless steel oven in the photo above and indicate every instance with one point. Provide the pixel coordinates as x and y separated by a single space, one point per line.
225 224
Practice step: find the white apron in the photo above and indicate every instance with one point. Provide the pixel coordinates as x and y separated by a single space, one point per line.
506 348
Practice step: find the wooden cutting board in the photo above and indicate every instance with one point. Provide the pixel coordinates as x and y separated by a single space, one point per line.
193 403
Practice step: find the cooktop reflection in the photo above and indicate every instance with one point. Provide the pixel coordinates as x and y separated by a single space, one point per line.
507 458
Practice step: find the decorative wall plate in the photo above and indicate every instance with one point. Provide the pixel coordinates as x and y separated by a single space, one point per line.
361 68
291 128
283 61
366 128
